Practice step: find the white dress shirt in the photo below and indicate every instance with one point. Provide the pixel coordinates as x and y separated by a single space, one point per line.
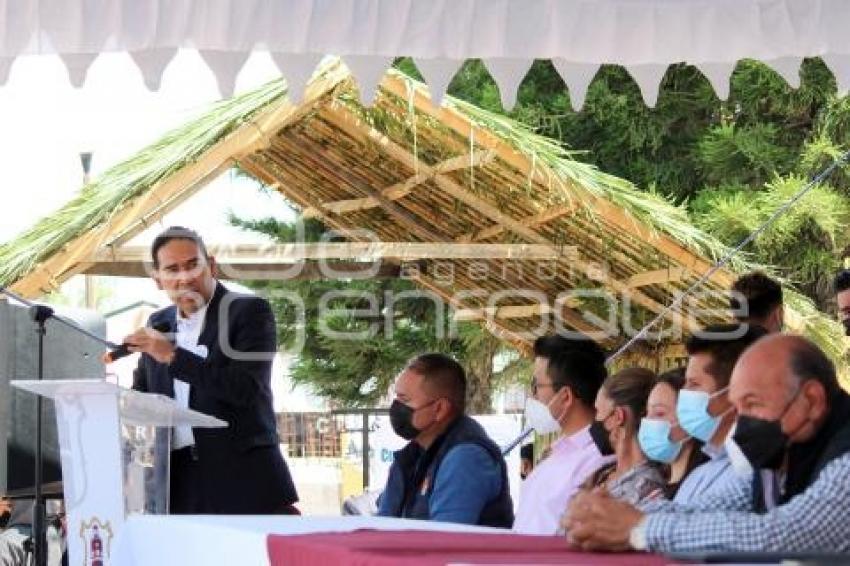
188 330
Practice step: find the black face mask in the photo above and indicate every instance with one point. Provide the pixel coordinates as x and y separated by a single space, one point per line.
846 324
401 419
761 441
601 438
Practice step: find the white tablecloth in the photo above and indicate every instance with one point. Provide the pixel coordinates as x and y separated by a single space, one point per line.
151 540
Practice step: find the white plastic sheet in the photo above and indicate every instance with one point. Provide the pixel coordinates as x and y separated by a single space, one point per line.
643 35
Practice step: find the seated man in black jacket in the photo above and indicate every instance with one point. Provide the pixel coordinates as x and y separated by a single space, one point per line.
451 470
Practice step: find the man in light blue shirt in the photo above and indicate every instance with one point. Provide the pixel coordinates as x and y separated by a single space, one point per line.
756 303
712 353
707 478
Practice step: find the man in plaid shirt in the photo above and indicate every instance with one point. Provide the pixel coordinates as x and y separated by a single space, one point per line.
793 429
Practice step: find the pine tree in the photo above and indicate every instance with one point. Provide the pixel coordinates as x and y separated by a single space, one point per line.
731 162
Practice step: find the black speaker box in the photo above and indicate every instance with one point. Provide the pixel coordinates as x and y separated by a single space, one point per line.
67 355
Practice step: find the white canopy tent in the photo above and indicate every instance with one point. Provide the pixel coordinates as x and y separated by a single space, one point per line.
578 36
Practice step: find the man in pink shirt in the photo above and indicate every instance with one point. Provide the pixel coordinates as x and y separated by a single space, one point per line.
568 373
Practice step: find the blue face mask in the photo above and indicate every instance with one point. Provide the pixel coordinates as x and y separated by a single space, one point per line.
693 415
654 439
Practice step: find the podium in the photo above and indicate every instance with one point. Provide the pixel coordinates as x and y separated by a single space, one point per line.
114 448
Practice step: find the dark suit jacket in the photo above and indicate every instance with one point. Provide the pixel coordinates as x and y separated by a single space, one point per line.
242 467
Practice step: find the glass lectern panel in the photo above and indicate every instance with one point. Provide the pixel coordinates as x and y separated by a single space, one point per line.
145 450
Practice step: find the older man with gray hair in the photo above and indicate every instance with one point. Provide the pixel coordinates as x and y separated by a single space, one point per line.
793 430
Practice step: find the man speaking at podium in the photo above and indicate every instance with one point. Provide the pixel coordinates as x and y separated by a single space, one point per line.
218 363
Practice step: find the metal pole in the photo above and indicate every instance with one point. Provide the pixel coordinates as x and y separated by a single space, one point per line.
365 437
40 314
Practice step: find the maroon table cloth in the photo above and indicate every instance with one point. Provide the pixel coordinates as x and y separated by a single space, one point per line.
430 548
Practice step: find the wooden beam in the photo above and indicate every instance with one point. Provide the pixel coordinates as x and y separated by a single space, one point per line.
309 271
335 221
357 128
346 121
567 315
663 243
156 203
531 221
174 189
480 157
393 192
402 189
504 312
258 165
287 254
394 83
494 327
656 277
514 311
399 214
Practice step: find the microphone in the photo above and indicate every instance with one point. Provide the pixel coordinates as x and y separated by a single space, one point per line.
123 351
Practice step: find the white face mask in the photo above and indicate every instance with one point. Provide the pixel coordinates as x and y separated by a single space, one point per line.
539 418
739 461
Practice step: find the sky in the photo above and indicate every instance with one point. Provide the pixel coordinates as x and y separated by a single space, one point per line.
45 124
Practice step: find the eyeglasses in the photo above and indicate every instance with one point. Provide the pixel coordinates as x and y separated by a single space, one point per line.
536 386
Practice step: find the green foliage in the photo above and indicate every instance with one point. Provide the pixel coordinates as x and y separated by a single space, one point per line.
803 243
744 155
725 211
732 163
359 371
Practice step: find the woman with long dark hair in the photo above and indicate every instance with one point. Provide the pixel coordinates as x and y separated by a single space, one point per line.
660 436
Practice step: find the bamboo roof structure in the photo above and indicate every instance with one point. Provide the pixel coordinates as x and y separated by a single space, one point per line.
495 210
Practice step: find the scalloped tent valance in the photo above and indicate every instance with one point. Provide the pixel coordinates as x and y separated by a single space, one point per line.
578 36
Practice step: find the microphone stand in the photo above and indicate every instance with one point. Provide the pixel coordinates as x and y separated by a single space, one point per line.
516 441
40 314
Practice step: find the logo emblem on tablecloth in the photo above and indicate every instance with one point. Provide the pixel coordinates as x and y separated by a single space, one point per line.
97 538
